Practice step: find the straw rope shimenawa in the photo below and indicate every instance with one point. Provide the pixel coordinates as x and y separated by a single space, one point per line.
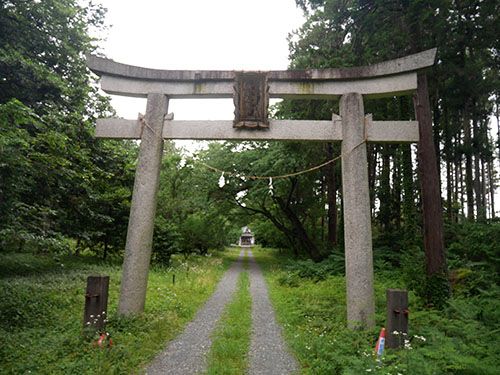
144 123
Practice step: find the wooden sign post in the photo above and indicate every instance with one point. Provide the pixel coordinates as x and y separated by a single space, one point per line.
397 317
96 304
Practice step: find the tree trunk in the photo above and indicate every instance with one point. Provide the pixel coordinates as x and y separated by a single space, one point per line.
397 186
497 115
477 187
469 187
449 188
448 147
477 161
431 195
461 189
484 203
331 182
492 188
437 120
372 153
300 232
384 190
105 255
409 212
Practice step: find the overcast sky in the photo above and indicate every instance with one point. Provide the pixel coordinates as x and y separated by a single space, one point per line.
198 35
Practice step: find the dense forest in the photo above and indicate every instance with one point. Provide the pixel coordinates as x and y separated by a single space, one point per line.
63 191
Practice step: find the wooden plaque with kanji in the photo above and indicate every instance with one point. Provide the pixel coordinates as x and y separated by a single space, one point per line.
251 100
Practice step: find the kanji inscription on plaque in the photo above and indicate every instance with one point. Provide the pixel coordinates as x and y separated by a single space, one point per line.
251 100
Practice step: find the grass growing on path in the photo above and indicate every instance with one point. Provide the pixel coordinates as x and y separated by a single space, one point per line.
313 314
41 312
231 340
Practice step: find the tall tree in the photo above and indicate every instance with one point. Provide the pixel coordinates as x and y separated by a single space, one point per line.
292 204
65 183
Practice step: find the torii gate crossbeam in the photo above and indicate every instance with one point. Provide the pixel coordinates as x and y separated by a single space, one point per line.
352 127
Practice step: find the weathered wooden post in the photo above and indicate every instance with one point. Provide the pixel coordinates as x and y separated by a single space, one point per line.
357 220
397 317
143 209
96 304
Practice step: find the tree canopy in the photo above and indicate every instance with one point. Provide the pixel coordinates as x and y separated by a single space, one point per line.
57 182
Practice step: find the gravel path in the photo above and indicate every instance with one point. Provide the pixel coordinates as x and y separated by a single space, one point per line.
268 353
186 354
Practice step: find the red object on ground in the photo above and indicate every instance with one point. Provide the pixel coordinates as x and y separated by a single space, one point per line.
102 341
379 348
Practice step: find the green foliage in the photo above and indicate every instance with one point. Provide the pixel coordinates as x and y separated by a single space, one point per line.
475 246
268 235
57 182
293 207
42 45
188 218
434 290
295 270
42 307
460 339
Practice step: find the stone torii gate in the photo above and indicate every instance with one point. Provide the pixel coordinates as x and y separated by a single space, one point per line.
251 92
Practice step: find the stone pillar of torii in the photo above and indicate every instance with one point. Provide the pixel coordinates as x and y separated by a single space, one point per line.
251 92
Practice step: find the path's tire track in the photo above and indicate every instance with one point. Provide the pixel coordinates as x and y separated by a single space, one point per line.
186 354
268 353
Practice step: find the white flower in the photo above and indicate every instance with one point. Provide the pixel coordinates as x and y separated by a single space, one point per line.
407 344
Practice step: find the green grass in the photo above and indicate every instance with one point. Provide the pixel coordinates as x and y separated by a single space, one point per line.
313 314
41 313
231 339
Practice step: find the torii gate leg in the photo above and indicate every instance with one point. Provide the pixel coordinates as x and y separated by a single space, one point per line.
357 220
143 210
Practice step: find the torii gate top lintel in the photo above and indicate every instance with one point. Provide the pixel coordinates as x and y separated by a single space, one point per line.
388 78
102 66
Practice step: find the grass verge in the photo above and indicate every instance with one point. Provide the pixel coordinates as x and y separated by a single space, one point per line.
231 339
313 314
41 312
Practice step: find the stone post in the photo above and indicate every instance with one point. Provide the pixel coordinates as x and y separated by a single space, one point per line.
143 209
357 218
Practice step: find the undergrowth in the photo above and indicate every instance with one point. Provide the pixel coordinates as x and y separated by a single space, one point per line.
462 338
41 305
